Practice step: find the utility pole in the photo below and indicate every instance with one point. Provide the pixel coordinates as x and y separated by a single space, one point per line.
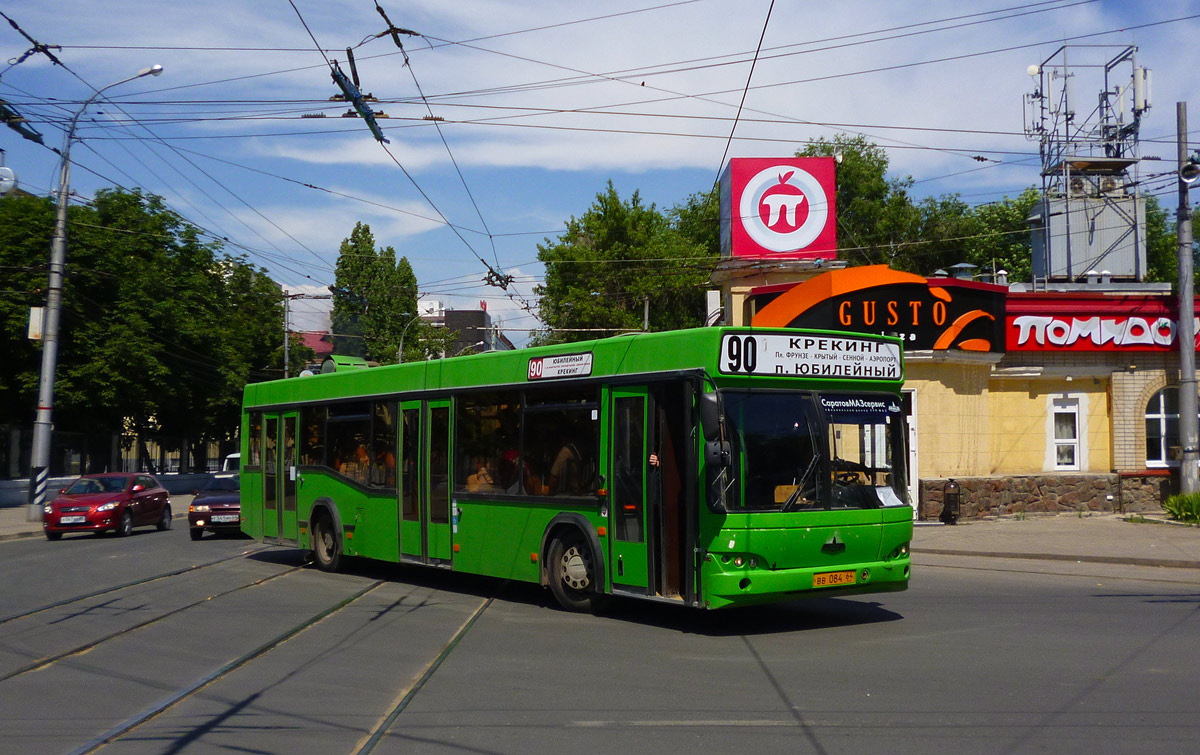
43 427
287 335
1189 425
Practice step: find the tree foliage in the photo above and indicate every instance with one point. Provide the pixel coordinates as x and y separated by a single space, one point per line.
375 304
620 253
159 330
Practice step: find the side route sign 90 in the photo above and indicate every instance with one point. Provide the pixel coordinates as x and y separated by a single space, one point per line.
809 356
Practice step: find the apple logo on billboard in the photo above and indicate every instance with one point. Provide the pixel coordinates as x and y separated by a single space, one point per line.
783 208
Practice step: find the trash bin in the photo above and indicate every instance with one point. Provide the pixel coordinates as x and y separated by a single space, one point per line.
951 501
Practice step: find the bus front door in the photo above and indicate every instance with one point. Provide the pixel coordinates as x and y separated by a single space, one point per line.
630 444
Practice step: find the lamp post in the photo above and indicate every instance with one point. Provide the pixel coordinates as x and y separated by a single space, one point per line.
470 346
400 350
39 463
1189 426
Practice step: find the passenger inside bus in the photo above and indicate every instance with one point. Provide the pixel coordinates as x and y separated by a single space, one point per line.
565 473
483 480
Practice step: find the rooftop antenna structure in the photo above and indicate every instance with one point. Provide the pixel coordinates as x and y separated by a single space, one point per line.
1092 214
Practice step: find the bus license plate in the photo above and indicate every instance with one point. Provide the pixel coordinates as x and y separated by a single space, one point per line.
831 578
72 520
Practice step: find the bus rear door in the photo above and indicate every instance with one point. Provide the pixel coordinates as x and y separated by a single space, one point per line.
270 479
437 492
279 477
288 450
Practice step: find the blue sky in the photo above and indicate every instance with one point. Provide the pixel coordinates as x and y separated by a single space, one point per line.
542 102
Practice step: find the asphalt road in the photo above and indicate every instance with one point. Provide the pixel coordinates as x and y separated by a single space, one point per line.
241 647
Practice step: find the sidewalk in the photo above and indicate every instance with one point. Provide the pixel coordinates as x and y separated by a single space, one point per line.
1099 538
13 524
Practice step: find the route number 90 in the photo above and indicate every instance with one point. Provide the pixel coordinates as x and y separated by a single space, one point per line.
741 354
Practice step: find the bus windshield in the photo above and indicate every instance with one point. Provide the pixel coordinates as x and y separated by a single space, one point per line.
797 451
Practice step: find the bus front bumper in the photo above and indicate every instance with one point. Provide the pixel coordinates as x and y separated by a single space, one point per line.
726 584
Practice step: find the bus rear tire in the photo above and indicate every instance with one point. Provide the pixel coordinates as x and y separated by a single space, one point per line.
327 546
572 574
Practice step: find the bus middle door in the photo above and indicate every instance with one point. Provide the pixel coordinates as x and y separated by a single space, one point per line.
630 444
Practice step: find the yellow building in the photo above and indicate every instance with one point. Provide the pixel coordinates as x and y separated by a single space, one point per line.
1046 401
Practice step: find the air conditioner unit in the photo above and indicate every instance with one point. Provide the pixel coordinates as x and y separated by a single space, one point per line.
1109 184
1079 186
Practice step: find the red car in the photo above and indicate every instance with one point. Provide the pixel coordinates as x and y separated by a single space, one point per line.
102 502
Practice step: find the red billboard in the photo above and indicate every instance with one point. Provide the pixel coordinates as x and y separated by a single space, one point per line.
1064 322
779 208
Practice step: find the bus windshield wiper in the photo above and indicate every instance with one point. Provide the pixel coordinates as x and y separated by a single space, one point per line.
795 496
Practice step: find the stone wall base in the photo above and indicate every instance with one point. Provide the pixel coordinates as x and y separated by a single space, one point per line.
1112 492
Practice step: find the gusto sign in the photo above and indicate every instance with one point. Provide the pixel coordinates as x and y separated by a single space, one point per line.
780 208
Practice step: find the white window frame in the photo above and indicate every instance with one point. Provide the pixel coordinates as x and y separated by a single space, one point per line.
1156 412
1076 405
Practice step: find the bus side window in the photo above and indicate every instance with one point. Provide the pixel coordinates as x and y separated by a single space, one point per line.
255 440
383 445
486 443
312 435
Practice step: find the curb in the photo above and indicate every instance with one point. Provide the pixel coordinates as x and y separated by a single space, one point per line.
39 533
1161 562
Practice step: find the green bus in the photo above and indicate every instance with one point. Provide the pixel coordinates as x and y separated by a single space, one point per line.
711 467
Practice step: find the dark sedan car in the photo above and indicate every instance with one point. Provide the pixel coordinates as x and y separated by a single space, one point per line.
108 502
217 507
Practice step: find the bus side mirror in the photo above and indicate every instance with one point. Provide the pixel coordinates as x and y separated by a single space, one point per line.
716 453
710 416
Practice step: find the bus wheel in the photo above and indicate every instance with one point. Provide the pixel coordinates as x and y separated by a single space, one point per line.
572 574
327 547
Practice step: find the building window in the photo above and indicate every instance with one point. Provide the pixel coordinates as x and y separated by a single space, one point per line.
1163 448
1066 433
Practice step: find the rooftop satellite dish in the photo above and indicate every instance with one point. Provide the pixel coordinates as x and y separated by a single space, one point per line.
1033 70
8 179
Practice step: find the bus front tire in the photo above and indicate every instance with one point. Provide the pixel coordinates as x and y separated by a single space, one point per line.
327 546
572 574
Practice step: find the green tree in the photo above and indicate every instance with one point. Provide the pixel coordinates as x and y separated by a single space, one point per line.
1002 239
1162 246
618 254
26 224
375 304
156 336
876 218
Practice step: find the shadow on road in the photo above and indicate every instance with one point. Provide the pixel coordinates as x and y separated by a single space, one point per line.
791 616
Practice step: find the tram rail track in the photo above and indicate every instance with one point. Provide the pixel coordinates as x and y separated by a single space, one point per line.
92 644
369 743
166 703
126 585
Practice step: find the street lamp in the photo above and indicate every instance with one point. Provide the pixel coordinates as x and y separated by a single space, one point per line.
400 350
39 462
470 346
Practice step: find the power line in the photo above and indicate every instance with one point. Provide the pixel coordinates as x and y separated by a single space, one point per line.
745 90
